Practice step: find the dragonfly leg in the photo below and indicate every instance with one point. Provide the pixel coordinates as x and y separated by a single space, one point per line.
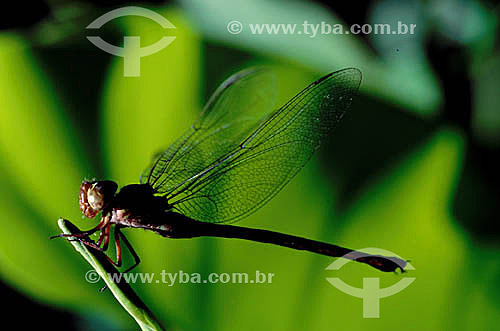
102 223
137 259
82 237
106 231
119 235
91 244
118 262
118 247
101 238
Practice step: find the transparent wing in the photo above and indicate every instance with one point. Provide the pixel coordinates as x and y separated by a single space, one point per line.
248 173
230 115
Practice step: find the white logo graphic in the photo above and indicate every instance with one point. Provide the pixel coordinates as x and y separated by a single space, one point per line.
234 27
371 293
131 50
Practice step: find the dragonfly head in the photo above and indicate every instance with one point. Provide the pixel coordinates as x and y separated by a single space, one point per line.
95 195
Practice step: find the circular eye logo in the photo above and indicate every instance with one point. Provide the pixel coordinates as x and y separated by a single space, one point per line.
371 293
131 50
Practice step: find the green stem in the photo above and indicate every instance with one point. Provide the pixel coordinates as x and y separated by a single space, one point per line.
121 291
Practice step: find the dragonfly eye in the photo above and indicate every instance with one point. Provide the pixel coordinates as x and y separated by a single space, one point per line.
95 195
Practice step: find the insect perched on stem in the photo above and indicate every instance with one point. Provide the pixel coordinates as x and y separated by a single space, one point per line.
230 162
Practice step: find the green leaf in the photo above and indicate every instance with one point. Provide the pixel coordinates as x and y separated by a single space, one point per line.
418 91
37 141
37 146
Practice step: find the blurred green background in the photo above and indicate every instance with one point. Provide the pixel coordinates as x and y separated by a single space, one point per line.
413 168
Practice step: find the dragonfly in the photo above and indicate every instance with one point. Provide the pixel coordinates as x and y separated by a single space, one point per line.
238 154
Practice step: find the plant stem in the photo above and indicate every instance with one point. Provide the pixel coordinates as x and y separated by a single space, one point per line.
122 291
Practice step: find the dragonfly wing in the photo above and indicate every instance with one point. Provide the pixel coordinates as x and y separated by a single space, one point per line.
230 115
252 172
